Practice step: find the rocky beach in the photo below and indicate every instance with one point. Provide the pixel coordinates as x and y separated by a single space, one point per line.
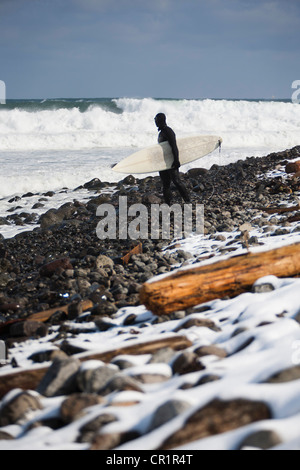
89 367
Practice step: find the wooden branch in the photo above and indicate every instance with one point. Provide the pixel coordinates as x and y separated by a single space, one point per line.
137 250
280 210
44 315
189 287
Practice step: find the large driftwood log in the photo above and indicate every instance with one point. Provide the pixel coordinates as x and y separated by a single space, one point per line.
189 287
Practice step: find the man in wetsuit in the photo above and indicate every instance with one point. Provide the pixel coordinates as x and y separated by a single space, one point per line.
166 134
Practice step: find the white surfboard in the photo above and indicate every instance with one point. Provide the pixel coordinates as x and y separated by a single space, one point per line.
159 157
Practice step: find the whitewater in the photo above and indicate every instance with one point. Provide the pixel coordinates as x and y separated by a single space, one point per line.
63 143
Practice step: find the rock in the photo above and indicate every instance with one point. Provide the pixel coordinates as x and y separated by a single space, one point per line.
66 211
211 350
150 378
207 379
120 383
4 436
186 362
265 284
94 184
74 310
103 261
56 266
168 411
91 429
198 322
91 380
4 279
15 409
73 407
196 172
264 439
218 417
246 227
287 375
60 378
4 221
122 362
163 355
262 288
110 441
28 328
151 199
47 355
50 218
104 308
129 180
38 205
293 167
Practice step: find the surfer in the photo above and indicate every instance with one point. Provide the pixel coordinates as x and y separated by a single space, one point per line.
166 134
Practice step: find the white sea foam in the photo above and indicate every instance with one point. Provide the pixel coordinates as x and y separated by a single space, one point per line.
65 145
241 123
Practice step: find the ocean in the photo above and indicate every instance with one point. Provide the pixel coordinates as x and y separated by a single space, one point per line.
52 144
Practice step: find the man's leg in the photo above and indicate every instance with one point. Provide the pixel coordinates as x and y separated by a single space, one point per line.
175 175
166 181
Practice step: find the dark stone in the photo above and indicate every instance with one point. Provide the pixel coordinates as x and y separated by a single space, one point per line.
60 379
264 440
90 430
17 408
168 411
56 266
28 328
73 407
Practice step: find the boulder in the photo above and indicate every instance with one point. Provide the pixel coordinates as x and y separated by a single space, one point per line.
168 411
16 409
73 407
60 378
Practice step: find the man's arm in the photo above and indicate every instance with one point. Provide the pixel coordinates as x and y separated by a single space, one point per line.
171 138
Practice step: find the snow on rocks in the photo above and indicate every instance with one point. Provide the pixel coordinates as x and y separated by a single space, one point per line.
241 373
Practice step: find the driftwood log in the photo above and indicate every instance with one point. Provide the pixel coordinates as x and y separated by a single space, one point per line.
280 209
192 286
45 315
29 379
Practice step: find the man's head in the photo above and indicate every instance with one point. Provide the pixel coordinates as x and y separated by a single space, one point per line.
160 120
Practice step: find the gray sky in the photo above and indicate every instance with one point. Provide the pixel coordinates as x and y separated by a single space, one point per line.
142 48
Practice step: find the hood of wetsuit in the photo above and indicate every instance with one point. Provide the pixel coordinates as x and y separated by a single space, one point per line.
160 120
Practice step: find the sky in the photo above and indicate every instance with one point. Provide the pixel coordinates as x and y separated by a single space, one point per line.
139 48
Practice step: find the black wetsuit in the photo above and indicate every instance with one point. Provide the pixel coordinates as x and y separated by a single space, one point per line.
166 134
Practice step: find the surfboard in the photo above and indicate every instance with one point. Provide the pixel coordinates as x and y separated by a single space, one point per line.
159 157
